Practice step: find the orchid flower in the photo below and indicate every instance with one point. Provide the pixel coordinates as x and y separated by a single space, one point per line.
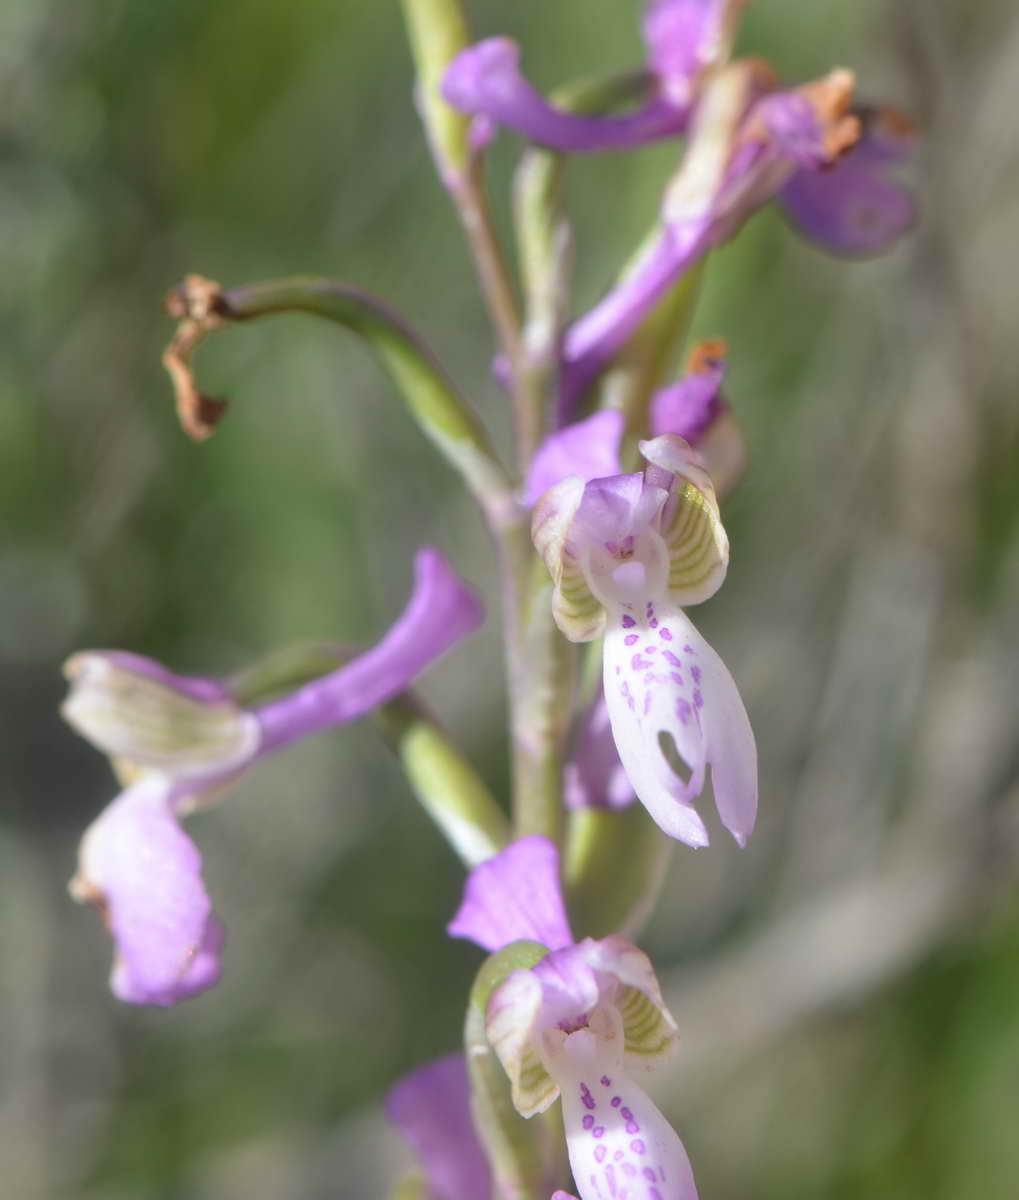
576 1026
746 142
625 552
856 208
694 408
431 1108
684 38
176 741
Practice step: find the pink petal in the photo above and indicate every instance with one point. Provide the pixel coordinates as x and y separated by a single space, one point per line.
442 610
588 448
515 895
144 873
431 1108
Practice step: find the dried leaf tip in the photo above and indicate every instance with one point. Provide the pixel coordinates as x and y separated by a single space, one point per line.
197 304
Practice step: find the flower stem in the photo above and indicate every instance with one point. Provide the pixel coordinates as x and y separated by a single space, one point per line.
443 416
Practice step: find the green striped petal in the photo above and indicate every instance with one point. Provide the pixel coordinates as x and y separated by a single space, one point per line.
576 609
690 524
649 1031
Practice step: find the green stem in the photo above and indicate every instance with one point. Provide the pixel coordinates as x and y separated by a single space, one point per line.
545 670
437 30
544 239
545 686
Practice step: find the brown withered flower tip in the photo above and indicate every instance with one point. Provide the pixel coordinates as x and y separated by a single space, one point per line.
705 355
197 303
830 98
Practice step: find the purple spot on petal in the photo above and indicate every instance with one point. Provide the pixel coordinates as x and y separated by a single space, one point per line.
676 677
671 658
586 1097
637 663
598 1131
654 622
599 1153
650 609
665 633
628 621
616 1101
588 1121
696 673
637 1146
654 1194
605 1081
698 699
629 1170
683 711
647 703
618 1155
630 639
626 1114
688 648
649 1173
632 1127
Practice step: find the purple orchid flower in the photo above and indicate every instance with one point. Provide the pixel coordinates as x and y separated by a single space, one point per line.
485 80
856 208
746 143
684 38
624 553
576 1026
431 1108
694 409
178 741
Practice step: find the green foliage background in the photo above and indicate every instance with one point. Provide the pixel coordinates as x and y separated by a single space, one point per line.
846 987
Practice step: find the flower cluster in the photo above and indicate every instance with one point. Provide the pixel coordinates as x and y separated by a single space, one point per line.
621 479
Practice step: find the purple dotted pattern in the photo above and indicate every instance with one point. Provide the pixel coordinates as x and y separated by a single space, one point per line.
628 1176
687 700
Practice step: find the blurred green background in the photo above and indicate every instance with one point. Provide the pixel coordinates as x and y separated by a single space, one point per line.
846 988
